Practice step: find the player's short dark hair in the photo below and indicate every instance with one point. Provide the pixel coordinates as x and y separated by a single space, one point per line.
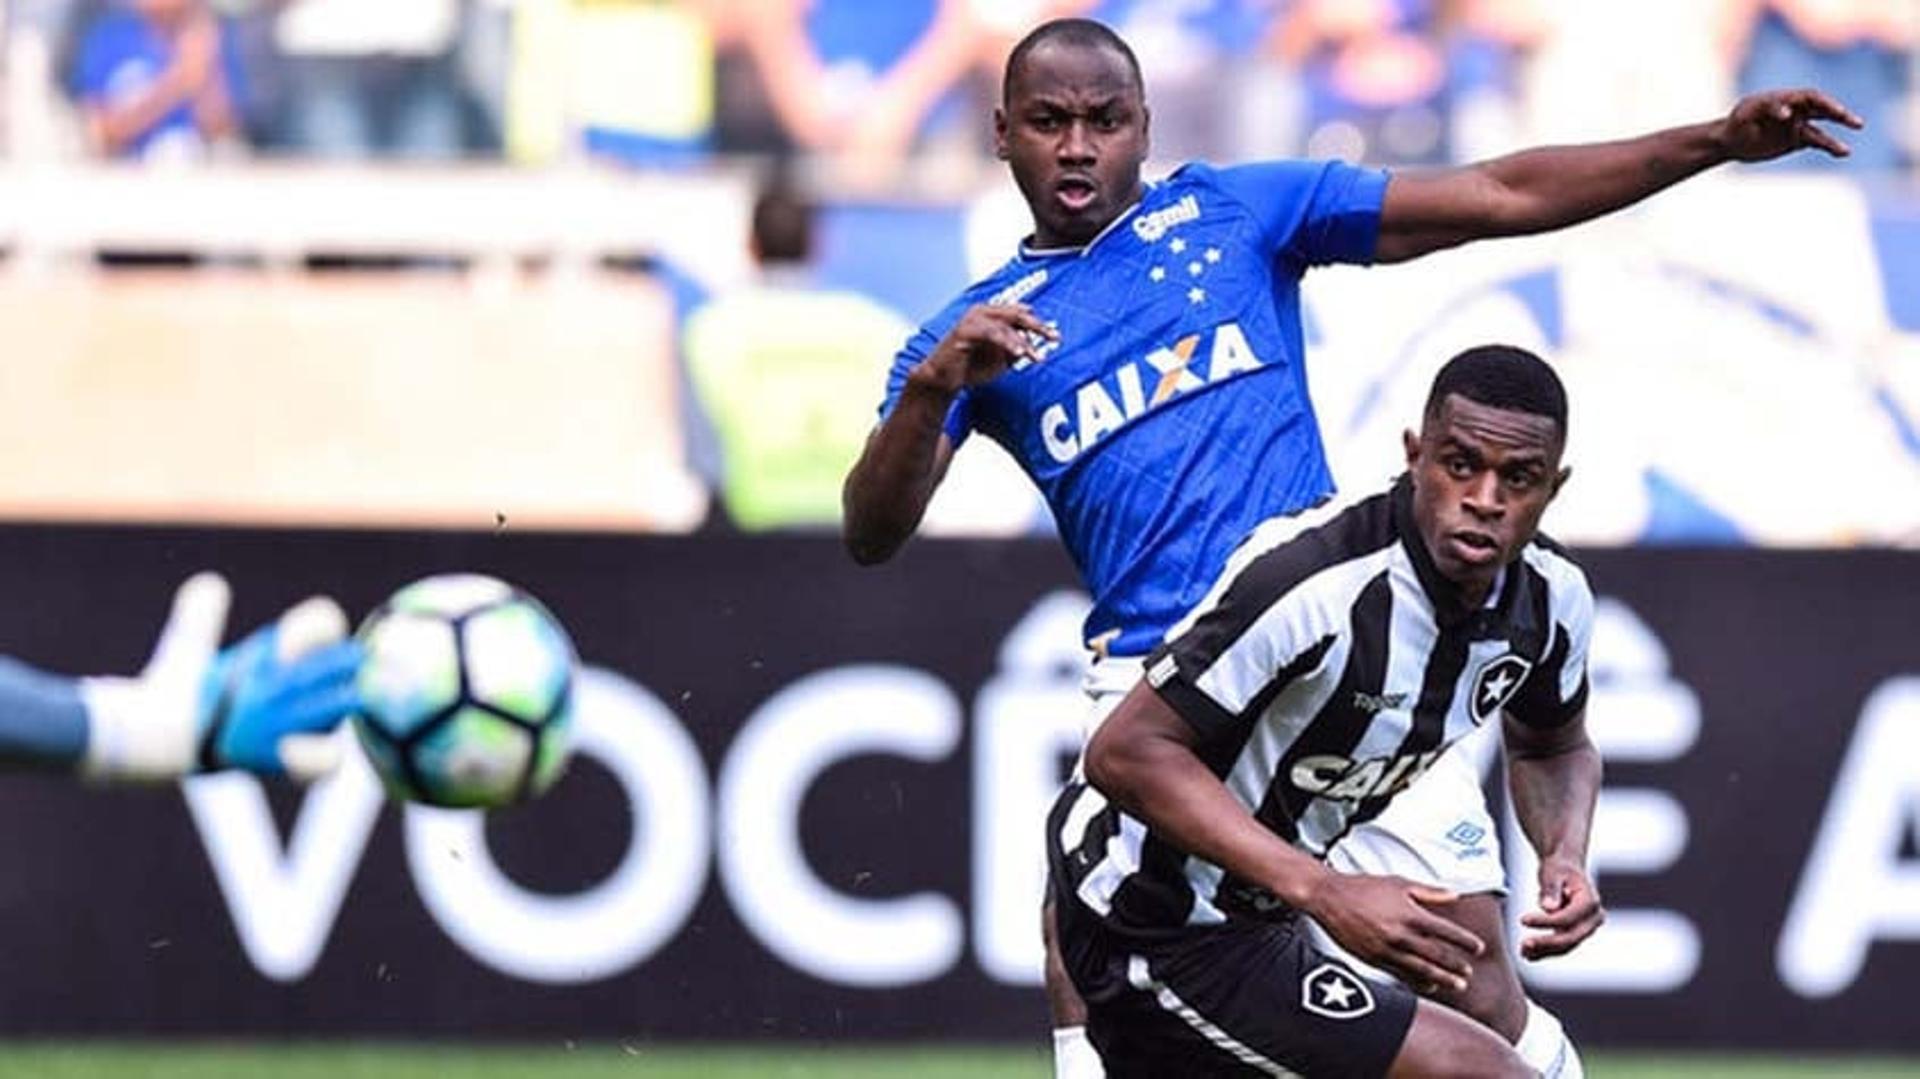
782 223
1502 376
1080 33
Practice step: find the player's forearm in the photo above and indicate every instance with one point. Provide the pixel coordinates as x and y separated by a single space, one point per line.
213 112
939 58
794 76
1162 783
42 719
1553 798
1556 186
115 127
888 489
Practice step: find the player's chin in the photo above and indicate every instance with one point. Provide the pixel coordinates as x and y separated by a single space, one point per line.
1076 227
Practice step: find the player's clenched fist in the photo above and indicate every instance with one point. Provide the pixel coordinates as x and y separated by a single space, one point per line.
988 339
1569 911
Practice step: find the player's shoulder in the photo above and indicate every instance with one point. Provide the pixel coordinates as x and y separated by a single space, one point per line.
1566 578
1329 558
1296 581
1190 174
1188 180
1011 282
1242 179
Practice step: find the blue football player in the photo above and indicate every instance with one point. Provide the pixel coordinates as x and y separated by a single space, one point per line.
268 704
1141 357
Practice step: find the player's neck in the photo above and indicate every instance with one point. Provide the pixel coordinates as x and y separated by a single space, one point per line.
1033 248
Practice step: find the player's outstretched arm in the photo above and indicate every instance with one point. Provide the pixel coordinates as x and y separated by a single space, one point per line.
906 457
1143 758
1553 775
269 704
1552 187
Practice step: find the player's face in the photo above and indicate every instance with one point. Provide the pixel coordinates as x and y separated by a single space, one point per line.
1074 131
1482 476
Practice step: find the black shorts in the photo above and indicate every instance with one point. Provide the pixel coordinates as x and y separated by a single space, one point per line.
1245 998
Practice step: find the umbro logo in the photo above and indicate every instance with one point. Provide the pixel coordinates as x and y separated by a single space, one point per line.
1495 685
1379 702
1335 992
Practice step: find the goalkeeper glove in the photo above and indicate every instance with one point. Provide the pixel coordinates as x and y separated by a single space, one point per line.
270 704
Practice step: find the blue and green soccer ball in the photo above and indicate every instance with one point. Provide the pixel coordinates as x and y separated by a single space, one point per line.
467 693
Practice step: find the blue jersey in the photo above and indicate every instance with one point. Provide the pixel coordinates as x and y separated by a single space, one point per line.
124 55
1172 416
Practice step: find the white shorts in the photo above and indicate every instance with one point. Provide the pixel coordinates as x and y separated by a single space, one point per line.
1436 832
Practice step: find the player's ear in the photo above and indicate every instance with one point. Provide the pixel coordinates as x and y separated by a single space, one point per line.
1410 441
1559 481
1000 132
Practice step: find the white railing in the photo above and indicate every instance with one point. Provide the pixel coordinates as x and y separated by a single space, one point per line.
280 212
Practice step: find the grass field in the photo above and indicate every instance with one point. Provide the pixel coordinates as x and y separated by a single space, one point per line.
381 1061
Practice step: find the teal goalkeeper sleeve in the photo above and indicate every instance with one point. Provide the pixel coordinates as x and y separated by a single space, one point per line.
42 719
270 704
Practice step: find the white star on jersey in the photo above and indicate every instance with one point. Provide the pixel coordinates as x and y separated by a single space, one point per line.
1335 993
1196 294
1176 245
1213 254
1496 688
1158 273
1194 268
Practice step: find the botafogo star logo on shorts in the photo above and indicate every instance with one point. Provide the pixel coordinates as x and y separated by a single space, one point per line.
1335 992
1496 684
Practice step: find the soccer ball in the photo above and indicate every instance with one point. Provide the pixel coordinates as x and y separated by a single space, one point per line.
466 691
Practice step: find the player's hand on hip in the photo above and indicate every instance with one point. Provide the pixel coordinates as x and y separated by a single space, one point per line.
987 341
1776 123
270 704
1392 922
1569 913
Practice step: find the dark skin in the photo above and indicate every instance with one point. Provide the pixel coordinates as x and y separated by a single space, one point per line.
1476 471
1074 133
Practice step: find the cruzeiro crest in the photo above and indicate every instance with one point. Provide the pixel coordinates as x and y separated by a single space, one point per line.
1335 992
1495 684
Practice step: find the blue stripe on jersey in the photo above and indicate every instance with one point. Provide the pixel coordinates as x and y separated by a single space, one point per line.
1173 414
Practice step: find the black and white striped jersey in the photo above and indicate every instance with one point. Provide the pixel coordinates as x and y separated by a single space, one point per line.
1324 674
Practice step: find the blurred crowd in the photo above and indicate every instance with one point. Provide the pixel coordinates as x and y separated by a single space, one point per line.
876 83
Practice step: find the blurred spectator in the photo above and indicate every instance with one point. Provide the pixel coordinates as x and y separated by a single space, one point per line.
157 79
1855 50
1375 77
1595 69
869 80
1486 43
372 78
1198 60
633 80
779 374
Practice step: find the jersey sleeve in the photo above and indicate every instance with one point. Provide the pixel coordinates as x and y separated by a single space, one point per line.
42 718
918 347
1311 213
1556 689
1219 670
101 50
